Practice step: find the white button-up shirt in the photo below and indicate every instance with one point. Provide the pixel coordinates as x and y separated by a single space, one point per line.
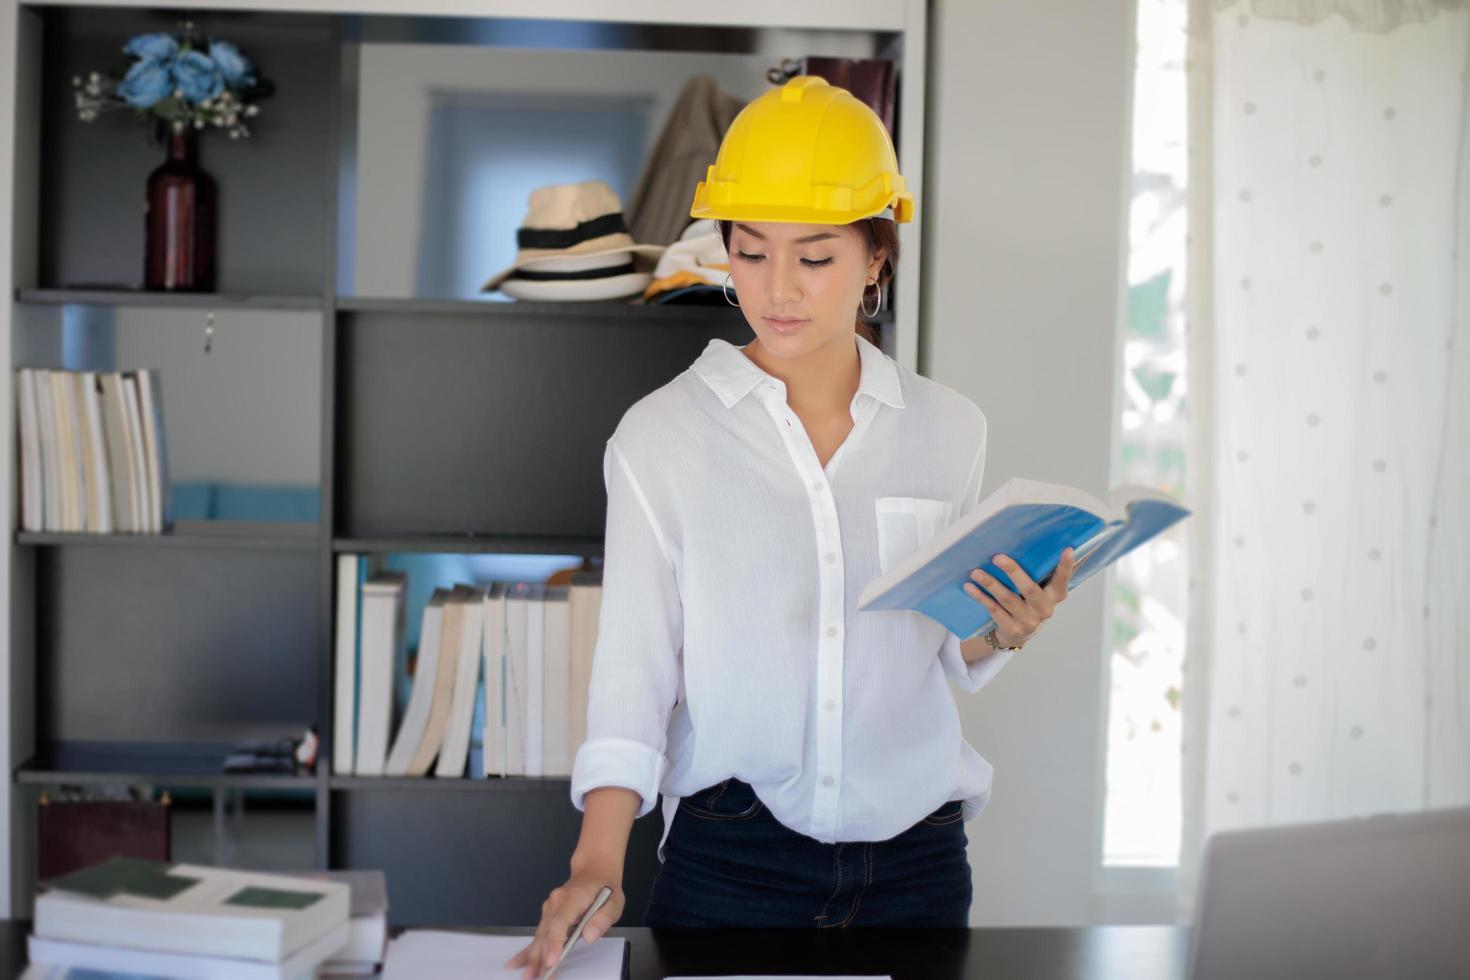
729 641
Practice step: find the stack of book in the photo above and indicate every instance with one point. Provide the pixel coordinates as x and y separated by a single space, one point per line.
156 918
367 925
517 655
92 451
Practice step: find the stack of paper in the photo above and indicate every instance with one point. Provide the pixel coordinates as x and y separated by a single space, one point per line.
461 956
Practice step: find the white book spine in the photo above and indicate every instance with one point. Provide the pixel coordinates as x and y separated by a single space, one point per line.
33 501
50 450
345 703
556 761
515 685
140 453
375 679
493 644
151 414
86 478
535 685
97 443
421 698
60 387
453 755
128 403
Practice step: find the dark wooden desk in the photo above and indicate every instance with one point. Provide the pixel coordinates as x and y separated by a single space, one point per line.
1124 952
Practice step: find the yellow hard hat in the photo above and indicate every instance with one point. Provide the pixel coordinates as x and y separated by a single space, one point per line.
807 152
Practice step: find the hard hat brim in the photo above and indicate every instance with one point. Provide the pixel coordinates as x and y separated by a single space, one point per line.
902 210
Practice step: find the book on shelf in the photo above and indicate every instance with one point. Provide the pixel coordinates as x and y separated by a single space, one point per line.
1030 522
378 660
497 687
585 607
93 452
344 705
556 750
454 751
193 910
492 736
425 677
446 672
517 620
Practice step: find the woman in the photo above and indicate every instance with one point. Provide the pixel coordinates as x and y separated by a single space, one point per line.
809 755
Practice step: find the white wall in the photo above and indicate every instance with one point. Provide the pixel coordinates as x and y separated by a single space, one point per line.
1025 260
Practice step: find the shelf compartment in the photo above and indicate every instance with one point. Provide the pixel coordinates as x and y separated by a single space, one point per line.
139 763
267 535
176 644
274 187
447 428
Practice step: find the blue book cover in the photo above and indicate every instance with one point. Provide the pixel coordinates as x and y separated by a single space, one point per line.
1031 522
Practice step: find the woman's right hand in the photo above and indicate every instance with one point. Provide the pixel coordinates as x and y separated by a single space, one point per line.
560 913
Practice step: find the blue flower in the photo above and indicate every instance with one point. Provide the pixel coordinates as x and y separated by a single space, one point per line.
197 77
233 66
145 83
152 47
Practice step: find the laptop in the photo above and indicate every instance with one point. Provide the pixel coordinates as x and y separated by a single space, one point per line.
1386 896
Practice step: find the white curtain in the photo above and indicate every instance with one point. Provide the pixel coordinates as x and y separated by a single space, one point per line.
1328 673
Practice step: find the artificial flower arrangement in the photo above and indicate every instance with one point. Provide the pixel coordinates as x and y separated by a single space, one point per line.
179 79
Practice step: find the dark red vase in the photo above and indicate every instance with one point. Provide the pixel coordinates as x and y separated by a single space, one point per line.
180 220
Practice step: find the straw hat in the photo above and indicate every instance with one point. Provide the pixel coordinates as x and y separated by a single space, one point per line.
574 244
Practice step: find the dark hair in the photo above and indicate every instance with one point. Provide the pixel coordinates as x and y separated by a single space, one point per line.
877 233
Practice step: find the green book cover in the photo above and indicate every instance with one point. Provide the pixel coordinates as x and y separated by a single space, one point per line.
135 876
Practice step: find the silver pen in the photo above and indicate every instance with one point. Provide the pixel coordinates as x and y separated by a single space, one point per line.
597 903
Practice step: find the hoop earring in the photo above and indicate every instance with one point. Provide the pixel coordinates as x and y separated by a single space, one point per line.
725 289
863 304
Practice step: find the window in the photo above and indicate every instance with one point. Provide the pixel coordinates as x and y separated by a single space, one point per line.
1142 809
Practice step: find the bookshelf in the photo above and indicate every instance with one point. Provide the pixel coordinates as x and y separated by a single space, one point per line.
429 425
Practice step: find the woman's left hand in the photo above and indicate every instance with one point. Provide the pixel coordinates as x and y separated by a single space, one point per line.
1018 617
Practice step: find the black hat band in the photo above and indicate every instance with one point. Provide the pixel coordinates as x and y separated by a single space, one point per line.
562 238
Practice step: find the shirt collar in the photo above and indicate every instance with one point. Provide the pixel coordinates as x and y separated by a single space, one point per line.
732 375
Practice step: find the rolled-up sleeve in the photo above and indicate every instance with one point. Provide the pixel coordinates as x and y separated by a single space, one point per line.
636 661
971 677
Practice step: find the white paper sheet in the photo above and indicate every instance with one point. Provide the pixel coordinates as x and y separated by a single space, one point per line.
419 953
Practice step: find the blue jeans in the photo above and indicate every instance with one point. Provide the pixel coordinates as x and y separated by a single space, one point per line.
729 862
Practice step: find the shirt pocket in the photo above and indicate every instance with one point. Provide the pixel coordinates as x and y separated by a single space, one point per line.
907 523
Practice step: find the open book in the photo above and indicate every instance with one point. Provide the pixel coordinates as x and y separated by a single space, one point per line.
1032 523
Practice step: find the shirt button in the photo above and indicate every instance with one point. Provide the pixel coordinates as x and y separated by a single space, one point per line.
831 631
817 486
830 705
826 780
831 556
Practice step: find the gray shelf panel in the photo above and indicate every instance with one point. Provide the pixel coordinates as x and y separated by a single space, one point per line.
472 543
477 859
176 645
437 784
444 428
165 300
268 535
153 764
721 314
